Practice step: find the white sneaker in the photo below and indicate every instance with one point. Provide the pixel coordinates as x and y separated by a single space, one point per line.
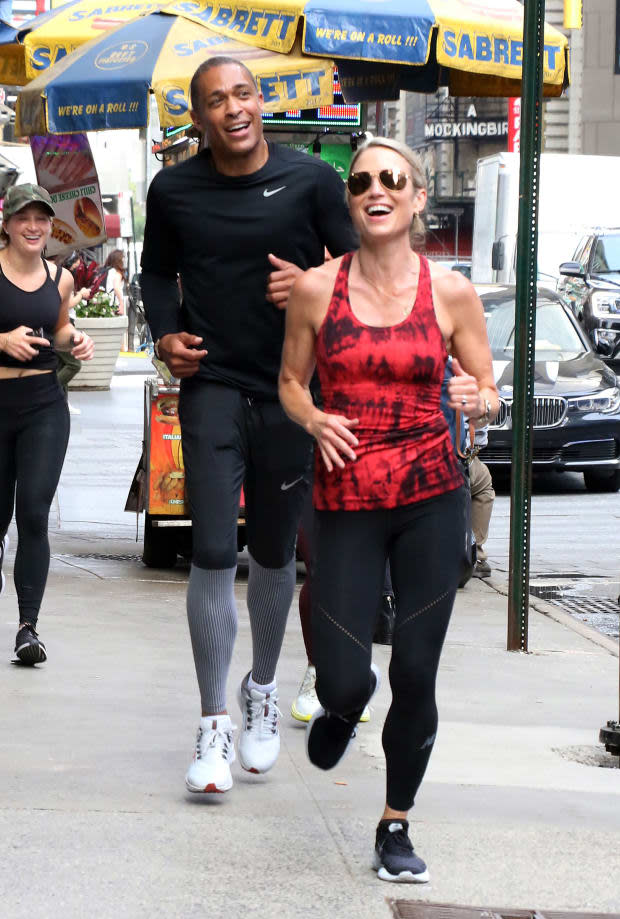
259 743
307 701
73 409
4 545
210 769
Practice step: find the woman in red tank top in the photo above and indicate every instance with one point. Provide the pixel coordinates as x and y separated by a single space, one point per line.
378 324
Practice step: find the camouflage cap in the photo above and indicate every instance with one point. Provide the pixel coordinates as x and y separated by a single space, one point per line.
19 196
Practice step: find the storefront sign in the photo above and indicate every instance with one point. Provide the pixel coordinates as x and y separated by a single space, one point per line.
448 129
514 125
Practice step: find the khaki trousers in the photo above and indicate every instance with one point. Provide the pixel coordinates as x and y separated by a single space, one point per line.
482 497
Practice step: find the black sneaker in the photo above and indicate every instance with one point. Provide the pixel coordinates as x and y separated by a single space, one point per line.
328 736
29 649
384 629
4 545
482 569
395 859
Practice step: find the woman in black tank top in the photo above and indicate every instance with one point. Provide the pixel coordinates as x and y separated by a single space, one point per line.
34 420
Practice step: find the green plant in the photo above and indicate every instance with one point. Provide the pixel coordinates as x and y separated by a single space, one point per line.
100 306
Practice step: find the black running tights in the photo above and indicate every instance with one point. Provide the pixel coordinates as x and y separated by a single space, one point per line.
425 544
34 432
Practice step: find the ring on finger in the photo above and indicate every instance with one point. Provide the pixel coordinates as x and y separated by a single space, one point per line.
464 400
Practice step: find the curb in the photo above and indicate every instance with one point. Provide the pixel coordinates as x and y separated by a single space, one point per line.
558 615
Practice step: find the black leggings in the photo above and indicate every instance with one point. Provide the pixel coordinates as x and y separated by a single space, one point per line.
230 440
425 544
34 432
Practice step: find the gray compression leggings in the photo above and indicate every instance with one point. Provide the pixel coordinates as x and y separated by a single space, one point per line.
212 618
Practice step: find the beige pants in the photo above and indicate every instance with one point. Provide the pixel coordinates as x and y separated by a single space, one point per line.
482 497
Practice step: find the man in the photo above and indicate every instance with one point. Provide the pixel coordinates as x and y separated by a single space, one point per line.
237 223
482 498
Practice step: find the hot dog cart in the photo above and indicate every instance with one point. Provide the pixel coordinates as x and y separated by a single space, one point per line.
158 488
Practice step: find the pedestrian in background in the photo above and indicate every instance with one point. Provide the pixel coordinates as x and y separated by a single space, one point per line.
237 223
482 498
34 419
68 365
115 278
377 324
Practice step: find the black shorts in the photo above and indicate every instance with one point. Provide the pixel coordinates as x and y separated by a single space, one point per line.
230 440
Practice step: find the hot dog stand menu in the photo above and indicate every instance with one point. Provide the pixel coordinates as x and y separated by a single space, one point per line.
65 167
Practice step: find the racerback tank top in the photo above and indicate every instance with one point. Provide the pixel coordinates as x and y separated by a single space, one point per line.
37 309
390 378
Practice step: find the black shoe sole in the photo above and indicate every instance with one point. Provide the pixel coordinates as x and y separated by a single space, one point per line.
31 654
329 741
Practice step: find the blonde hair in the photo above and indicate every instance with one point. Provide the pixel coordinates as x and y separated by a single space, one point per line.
417 232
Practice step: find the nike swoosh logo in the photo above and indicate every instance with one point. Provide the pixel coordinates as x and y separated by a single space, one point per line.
286 485
274 191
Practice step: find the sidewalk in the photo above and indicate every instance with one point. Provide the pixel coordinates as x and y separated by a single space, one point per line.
95 821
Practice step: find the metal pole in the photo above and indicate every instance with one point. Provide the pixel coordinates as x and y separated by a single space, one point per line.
525 324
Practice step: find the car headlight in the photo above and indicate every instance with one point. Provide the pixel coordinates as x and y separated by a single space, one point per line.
607 401
606 304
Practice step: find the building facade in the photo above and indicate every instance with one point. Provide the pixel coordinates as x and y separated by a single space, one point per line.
452 134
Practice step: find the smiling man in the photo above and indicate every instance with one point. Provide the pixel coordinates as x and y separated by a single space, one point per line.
237 223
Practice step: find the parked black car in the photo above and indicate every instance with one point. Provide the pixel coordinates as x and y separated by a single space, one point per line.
576 395
590 285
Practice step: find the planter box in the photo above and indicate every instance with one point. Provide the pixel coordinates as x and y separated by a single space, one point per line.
108 336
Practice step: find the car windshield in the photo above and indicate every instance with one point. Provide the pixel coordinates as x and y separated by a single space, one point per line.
556 337
606 255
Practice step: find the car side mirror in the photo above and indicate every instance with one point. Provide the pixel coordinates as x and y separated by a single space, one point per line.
572 270
497 255
604 348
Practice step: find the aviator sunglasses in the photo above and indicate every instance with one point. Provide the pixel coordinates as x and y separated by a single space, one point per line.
392 179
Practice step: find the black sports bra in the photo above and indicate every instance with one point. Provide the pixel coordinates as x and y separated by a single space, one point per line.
38 309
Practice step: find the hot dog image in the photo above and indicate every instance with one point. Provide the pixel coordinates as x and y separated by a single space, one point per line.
62 232
87 217
168 410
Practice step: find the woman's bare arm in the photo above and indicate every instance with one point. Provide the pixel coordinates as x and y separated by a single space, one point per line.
461 316
306 309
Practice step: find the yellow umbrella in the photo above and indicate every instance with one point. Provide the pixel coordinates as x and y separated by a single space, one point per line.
475 47
105 83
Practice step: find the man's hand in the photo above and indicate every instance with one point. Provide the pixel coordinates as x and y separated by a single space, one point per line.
281 281
179 352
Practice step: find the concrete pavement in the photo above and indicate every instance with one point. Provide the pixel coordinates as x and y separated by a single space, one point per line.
517 809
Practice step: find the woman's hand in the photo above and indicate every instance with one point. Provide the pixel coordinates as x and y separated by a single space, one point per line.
84 293
464 393
21 343
83 346
334 437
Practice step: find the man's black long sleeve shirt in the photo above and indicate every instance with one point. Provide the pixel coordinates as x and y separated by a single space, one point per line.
215 232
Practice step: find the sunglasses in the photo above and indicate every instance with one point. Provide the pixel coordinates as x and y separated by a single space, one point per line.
392 179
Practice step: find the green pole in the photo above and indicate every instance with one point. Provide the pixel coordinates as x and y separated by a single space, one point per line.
525 325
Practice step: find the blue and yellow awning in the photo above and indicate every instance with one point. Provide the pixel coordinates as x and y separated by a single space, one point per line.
475 47
105 83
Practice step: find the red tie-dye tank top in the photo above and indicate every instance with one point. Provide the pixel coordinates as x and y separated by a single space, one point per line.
390 378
